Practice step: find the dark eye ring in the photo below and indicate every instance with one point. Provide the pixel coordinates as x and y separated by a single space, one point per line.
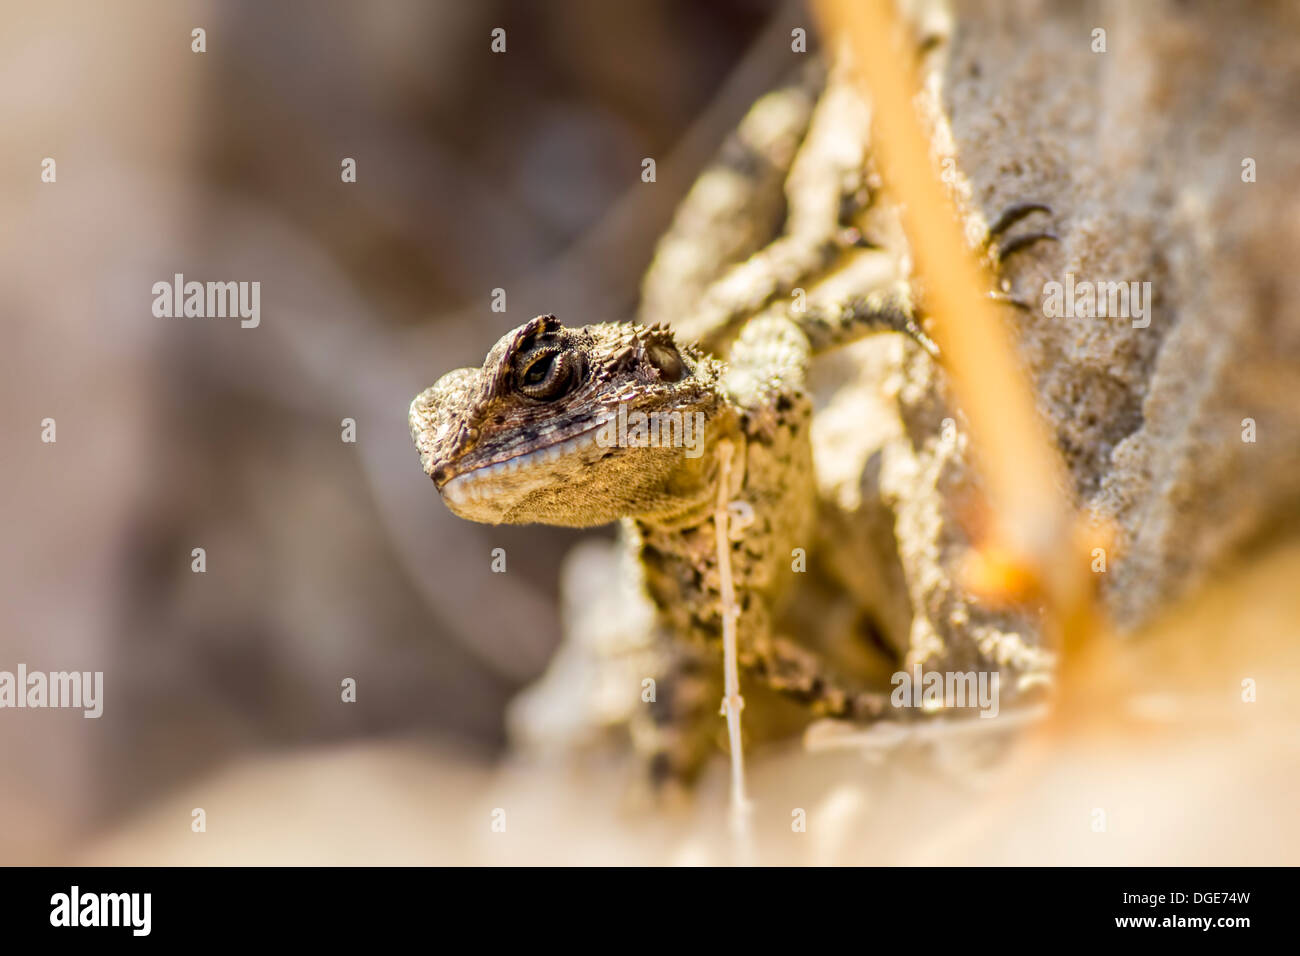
551 375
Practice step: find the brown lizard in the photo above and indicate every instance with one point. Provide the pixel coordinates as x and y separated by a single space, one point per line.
534 435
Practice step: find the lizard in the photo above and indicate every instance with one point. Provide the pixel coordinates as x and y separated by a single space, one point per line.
524 438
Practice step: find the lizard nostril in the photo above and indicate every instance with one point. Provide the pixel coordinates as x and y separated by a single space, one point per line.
439 475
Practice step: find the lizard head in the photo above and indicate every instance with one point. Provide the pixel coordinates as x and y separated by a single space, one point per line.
571 426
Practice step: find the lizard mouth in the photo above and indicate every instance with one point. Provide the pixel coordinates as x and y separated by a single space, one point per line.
484 480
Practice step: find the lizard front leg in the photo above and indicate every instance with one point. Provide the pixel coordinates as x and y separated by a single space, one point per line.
804 676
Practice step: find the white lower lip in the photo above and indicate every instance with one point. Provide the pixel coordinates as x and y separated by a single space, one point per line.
476 484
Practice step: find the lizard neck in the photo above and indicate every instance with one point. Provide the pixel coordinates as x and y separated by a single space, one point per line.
693 487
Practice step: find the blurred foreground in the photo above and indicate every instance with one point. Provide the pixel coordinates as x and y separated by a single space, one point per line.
1172 767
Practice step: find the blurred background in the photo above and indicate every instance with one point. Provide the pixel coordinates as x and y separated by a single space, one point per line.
325 559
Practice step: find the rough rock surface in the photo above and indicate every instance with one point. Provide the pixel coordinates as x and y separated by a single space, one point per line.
1139 151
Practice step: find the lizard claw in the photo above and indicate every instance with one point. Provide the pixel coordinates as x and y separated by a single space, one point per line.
1023 242
1006 298
1012 215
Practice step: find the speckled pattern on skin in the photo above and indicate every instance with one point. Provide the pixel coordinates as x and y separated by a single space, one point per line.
516 440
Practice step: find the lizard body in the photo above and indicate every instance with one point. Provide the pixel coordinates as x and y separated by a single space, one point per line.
517 441
523 438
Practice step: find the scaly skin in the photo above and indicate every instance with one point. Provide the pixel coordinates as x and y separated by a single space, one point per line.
516 441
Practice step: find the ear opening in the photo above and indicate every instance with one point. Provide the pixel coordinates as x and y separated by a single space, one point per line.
660 349
666 360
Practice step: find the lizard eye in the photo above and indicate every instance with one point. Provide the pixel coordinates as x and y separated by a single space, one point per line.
551 375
